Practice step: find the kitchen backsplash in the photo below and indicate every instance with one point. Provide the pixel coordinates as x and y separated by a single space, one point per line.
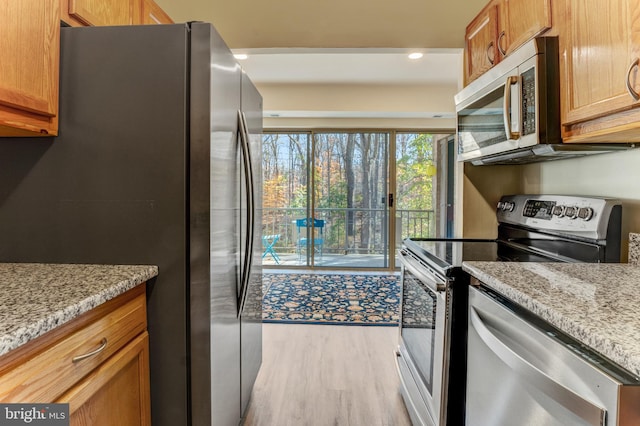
634 248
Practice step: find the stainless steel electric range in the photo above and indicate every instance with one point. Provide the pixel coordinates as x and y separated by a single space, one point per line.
431 356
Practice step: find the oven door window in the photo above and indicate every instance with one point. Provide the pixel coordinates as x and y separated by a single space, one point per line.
419 305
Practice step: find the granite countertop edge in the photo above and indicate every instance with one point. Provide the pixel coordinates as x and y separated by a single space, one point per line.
611 349
36 328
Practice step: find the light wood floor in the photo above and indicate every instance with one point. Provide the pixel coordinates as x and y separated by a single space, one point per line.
320 375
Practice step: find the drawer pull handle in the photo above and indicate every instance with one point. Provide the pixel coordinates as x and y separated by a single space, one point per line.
632 92
103 345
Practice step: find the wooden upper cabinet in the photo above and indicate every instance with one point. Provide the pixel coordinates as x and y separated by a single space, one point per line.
480 43
100 12
153 14
524 19
600 69
29 40
500 28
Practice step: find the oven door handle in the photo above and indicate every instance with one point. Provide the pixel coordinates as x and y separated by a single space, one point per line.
417 269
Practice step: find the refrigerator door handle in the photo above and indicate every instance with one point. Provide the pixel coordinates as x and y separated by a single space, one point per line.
250 190
252 183
252 215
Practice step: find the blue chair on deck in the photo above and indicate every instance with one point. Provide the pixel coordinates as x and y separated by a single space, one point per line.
304 241
268 242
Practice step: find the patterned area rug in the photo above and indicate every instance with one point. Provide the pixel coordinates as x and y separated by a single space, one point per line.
348 299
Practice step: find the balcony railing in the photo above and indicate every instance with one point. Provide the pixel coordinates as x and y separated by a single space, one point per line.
347 231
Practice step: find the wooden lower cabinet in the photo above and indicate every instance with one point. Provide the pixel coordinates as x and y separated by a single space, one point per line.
117 392
98 363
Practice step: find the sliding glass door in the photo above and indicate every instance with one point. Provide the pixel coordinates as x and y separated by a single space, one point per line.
424 186
327 201
350 198
285 180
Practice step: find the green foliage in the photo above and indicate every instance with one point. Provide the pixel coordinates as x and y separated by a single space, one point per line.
336 196
414 166
350 181
299 199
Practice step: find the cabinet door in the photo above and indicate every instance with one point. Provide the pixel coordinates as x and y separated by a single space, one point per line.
29 40
602 44
481 51
524 20
101 12
117 392
153 14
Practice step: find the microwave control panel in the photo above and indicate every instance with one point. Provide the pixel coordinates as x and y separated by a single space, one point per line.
528 80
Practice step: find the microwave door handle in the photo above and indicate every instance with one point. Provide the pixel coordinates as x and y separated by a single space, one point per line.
511 80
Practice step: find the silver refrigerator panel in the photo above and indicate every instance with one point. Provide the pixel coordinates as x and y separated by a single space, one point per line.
215 203
251 316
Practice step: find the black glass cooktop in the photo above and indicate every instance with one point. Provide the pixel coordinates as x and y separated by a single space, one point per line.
448 254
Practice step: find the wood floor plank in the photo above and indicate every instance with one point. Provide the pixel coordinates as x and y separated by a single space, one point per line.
320 375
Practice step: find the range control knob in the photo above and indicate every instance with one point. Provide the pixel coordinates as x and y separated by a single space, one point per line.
506 206
571 212
585 213
500 205
558 211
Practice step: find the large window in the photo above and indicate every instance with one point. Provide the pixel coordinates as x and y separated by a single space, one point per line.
327 196
415 195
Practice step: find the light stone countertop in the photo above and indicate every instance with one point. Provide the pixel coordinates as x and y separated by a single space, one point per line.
634 248
595 303
36 298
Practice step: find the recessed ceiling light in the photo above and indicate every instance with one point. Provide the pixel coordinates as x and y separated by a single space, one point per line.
415 55
240 56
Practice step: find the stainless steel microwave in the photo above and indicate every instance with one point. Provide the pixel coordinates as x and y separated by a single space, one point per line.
511 114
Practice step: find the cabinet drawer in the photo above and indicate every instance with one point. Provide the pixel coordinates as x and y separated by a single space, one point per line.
43 375
122 381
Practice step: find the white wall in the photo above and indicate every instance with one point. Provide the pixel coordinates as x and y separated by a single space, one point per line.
610 175
358 106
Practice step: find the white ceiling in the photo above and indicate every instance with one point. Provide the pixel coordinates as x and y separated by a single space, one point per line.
341 42
332 23
352 66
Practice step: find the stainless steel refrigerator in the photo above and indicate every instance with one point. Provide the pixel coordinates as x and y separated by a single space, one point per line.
158 161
